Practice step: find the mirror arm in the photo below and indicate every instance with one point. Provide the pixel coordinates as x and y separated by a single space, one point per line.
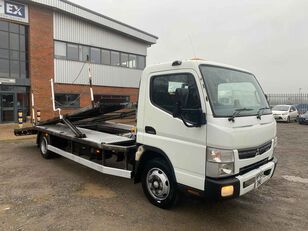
188 125
195 125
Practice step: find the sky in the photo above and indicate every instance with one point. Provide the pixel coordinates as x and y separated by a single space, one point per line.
267 37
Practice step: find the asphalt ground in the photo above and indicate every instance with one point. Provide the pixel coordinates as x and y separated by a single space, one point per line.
58 194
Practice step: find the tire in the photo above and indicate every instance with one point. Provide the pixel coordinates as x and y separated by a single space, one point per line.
159 184
289 120
46 154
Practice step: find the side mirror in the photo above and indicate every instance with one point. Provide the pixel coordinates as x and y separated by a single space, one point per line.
181 95
266 97
181 109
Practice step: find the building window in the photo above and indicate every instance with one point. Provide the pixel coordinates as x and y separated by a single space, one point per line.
72 52
14 69
4 68
14 41
60 50
4 54
4 38
67 100
4 26
95 55
132 61
13 50
76 52
106 57
112 99
115 58
14 28
84 53
140 62
124 60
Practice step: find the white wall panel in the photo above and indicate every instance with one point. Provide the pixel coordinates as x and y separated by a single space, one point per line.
72 29
66 72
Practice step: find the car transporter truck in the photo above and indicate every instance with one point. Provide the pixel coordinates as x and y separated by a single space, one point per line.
200 127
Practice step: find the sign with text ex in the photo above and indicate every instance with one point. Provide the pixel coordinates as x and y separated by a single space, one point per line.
15 9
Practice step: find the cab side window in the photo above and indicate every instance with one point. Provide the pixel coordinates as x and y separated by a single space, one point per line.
163 89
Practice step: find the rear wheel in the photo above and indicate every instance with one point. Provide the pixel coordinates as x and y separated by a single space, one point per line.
43 145
158 184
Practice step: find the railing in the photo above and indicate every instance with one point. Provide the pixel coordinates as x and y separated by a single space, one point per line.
300 100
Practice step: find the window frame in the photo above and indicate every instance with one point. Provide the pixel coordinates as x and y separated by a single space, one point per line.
21 40
171 74
67 106
67 52
111 63
102 59
58 56
114 96
99 53
102 50
232 69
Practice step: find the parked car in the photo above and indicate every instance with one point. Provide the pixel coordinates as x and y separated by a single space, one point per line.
302 108
303 119
285 113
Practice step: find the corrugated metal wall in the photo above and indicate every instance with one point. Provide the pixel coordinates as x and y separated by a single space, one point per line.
67 71
74 30
94 17
71 29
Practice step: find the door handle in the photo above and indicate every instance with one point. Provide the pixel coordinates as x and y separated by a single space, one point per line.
150 130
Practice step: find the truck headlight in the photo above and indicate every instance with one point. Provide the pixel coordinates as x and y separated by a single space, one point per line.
220 162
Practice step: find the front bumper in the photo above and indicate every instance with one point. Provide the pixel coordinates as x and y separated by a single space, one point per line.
281 117
242 184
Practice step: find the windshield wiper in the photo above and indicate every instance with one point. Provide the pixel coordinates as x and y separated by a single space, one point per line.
237 112
260 112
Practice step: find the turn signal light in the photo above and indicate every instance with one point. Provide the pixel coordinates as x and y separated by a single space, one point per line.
227 191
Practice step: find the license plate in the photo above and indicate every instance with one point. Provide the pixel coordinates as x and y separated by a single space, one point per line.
259 178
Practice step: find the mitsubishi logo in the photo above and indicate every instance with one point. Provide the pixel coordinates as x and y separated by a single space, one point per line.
14 9
258 152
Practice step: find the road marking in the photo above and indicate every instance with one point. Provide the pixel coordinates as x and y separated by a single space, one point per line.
296 179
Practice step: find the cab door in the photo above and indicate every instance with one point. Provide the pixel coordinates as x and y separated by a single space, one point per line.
184 146
293 113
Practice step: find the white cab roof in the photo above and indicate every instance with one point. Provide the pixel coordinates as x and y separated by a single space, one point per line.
189 64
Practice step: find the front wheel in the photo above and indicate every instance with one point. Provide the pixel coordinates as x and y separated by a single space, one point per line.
159 185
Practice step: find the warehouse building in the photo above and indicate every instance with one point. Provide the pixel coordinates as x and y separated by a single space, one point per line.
45 39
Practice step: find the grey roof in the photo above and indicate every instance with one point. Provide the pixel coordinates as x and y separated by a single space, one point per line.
97 18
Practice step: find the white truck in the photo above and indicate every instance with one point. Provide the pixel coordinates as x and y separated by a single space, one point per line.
201 127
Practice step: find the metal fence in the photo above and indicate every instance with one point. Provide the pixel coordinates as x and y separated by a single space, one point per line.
299 100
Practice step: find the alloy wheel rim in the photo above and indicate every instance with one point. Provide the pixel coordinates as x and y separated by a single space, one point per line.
158 184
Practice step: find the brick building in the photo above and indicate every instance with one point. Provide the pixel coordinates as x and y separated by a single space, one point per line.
43 39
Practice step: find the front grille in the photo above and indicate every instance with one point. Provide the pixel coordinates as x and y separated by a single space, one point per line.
253 166
253 152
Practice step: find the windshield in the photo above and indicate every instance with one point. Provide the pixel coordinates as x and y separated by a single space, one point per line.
231 90
281 108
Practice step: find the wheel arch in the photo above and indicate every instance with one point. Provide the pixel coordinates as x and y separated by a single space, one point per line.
150 153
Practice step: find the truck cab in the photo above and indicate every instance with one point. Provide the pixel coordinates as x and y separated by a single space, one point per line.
203 127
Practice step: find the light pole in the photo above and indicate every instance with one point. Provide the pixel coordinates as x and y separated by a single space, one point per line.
300 97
